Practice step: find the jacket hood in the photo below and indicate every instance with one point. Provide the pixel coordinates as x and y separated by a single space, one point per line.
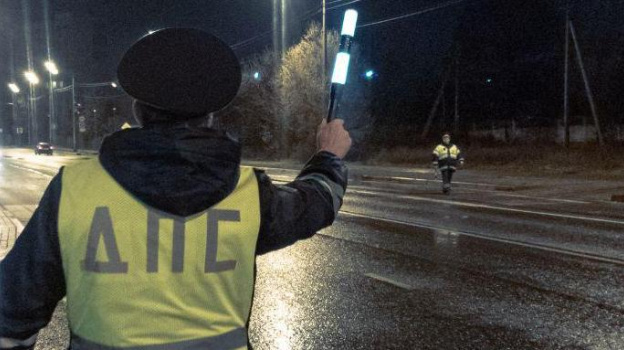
180 171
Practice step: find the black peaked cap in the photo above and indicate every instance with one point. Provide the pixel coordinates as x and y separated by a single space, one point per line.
184 71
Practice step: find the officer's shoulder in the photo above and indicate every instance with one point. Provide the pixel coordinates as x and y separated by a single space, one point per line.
82 165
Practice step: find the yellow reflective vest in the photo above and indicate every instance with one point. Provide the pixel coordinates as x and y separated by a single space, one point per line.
139 278
446 156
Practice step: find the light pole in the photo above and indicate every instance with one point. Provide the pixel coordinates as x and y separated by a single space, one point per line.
15 90
324 34
53 70
33 80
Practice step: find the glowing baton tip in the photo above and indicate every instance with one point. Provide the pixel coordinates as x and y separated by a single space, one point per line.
350 22
341 69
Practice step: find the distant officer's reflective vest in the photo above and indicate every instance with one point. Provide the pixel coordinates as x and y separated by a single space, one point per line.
138 278
446 156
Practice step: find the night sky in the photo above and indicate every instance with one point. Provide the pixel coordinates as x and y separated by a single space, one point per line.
516 43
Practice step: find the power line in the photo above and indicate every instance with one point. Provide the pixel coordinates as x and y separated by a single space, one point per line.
420 12
250 40
304 17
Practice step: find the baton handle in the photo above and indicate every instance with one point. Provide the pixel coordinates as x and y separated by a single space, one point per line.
332 103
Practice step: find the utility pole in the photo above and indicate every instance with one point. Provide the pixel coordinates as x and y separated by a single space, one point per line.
73 109
566 82
51 117
324 34
456 121
284 19
276 28
432 114
588 90
32 104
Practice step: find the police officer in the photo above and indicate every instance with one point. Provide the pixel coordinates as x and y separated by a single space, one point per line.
446 157
154 242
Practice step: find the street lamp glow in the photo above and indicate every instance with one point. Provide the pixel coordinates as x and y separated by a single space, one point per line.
370 74
256 75
341 69
150 32
114 85
32 77
14 88
51 67
350 22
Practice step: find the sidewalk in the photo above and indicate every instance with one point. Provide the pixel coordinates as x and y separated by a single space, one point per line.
10 229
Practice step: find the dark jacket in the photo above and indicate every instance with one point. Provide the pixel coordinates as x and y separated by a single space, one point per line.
182 172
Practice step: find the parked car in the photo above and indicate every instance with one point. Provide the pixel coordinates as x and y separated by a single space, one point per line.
44 148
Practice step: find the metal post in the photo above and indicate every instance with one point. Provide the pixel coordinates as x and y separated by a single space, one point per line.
566 81
73 109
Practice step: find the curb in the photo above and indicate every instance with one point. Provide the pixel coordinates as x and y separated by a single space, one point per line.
10 229
77 152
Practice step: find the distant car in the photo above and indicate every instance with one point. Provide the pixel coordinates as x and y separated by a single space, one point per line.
44 148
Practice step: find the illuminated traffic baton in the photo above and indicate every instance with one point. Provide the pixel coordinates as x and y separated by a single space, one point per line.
341 68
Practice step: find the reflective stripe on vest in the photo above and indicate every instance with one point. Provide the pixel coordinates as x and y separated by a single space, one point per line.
443 152
235 339
137 276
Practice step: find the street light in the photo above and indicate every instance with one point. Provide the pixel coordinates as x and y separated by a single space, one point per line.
51 67
14 88
114 85
32 77
256 75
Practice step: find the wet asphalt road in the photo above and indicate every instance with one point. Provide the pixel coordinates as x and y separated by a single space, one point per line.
407 268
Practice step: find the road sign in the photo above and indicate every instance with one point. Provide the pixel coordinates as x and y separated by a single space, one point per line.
20 130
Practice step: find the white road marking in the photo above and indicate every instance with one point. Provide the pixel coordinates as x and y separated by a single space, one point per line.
30 170
389 280
285 178
18 225
541 247
491 207
503 194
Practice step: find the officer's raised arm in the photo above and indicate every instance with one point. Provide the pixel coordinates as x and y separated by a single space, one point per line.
299 209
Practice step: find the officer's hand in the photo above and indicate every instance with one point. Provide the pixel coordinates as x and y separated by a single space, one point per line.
332 137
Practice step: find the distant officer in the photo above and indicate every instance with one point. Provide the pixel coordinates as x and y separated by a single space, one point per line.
446 157
154 242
